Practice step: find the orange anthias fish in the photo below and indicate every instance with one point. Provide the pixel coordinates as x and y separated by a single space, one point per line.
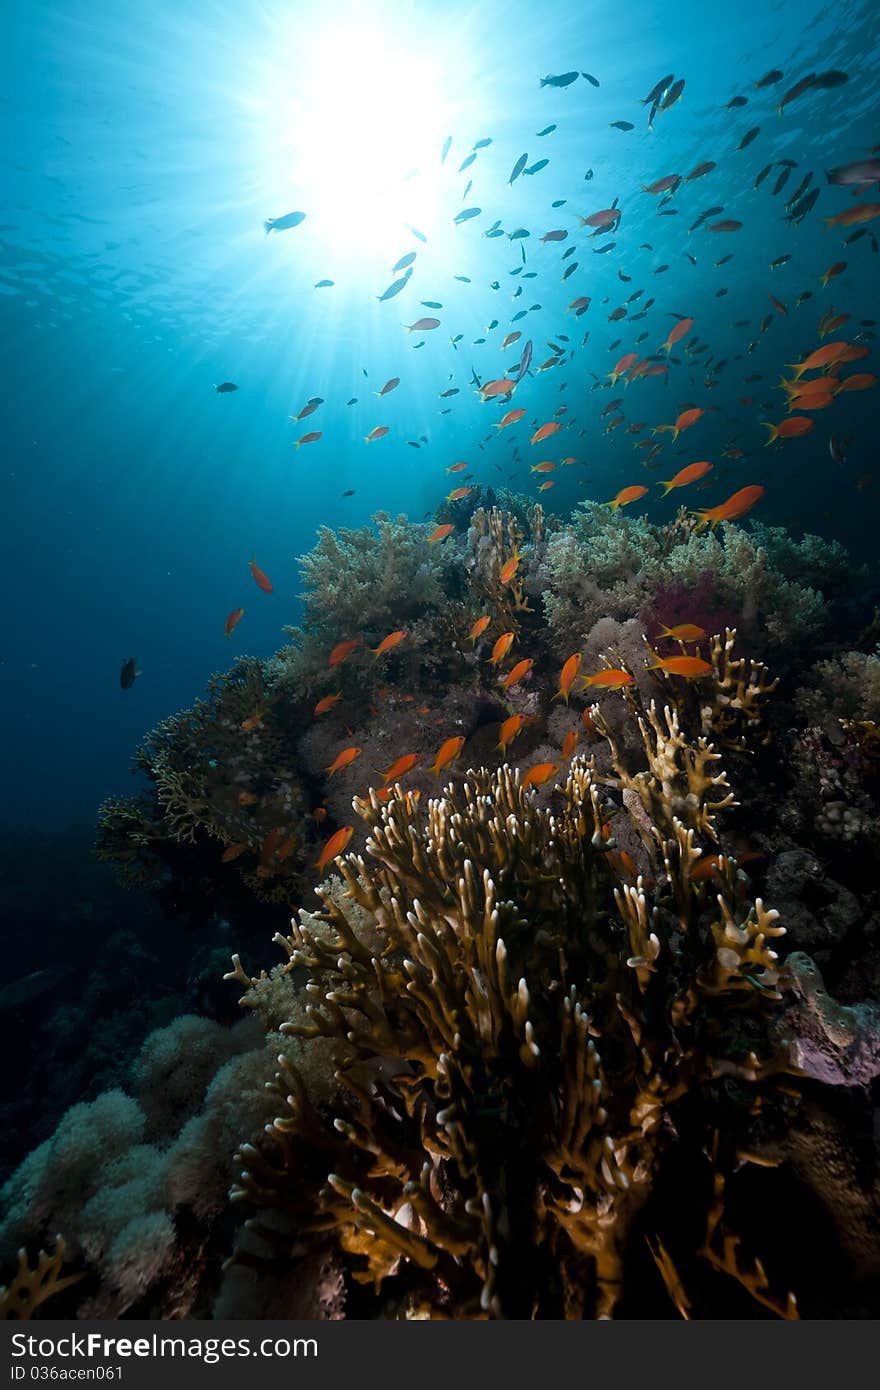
252 722
311 438
862 212
343 759
247 799
400 767
513 677
684 632
569 743
609 680
547 466
388 643
479 627
690 667
502 387
690 474
545 431
832 272
792 428
379 432
567 678
456 467
509 730
544 486
501 648
458 493
232 852
441 532
822 357
680 330
233 621
625 496
446 753
859 381
683 422
510 418
511 338
625 363
735 506
326 703
539 774
509 568
335 846
342 650
262 581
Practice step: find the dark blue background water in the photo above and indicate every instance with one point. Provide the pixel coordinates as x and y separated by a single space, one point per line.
144 149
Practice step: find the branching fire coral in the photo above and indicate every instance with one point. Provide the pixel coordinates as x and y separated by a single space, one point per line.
518 1045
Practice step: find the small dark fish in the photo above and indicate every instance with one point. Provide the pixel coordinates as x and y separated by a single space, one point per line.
394 289
692 259
797 90
323 284
570 252
466 215
519 234
854 236
800 190
419 236
468 186
225 387
660 269
536 168
129 673
281 224
594 81
447 146
859 171
452 391
788 163
749 136
404 262
570 270
353 401
781 181
524 360
348 493
484 143
519 166
736 101
800 209
672 95
769 78
601 250
431 303
780 260
622 125
762 176
466 163
825 81
23 991
658 89
560 202
496 231
710 212
564 79
548 130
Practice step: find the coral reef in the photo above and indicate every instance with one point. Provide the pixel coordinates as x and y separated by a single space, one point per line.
529 1050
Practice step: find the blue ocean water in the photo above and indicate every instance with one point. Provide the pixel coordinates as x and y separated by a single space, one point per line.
145 147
